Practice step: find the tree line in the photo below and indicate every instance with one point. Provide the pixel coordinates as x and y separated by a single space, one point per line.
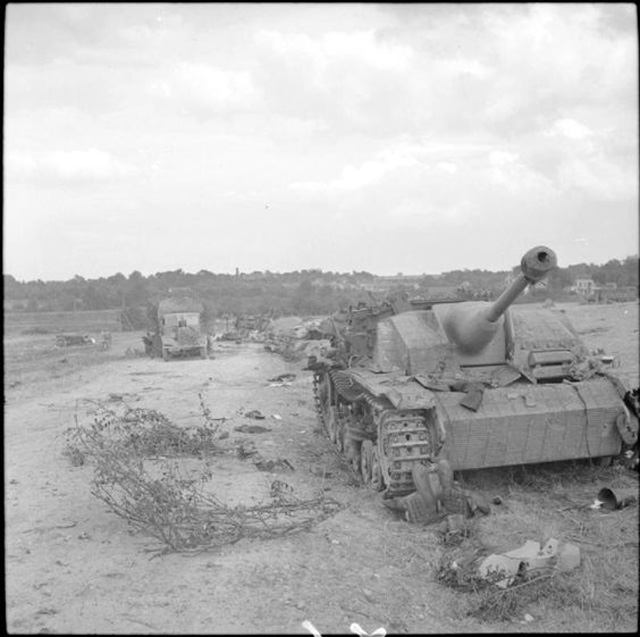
305 292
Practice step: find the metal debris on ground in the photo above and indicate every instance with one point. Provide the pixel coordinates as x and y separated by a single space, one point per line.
503 586
246 449
251 429
282 377
608 500
273 466
530 557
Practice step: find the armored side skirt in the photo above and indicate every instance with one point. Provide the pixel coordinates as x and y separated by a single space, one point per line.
525 424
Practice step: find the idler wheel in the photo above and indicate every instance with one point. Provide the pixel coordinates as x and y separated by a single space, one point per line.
366 458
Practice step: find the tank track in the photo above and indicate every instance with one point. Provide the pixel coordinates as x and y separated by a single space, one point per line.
381 443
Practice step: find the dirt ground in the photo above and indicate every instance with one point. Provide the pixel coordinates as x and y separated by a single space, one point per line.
72 566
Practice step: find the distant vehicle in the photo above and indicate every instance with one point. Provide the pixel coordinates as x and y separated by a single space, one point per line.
180 328
67 340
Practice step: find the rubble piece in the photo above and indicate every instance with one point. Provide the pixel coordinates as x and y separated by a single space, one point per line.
255 414
279 465
282 377
251 429
246 449
529 557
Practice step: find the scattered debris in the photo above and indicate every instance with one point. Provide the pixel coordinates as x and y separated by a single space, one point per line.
503 587
504 568
273 465
251 429
246 449
282 377
608 500
115 398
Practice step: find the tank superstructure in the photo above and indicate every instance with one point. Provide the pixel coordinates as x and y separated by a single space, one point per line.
478 384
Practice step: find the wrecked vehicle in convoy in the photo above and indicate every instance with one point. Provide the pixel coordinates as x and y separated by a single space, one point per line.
180 328
475 384
68 340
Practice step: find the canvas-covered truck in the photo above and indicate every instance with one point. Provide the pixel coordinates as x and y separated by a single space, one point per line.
180 328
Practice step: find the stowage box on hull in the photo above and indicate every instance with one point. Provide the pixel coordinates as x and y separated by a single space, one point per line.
530 424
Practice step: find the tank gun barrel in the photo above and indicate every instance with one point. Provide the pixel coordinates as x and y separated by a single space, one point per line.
534 267
471 326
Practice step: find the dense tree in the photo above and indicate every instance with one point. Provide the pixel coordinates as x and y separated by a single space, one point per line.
308 291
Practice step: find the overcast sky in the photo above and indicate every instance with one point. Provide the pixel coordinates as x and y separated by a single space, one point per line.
413 138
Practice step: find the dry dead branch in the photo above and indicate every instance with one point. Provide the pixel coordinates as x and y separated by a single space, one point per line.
137 475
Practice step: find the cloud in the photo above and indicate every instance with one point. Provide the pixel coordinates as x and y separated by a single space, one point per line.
570 128
410 125
74 166
354 178
204 88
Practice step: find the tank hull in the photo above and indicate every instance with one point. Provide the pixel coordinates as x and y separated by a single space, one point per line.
532 424
521 423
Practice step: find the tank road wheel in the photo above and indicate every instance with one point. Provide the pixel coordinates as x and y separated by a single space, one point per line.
366 457
377 481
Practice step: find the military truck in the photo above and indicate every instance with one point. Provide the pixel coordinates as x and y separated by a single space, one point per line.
180 328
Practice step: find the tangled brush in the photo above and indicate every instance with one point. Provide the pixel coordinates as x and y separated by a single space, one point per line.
136 473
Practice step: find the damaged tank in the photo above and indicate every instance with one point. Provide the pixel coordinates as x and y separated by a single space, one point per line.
410 385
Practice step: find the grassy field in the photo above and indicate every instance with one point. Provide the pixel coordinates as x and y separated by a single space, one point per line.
55 322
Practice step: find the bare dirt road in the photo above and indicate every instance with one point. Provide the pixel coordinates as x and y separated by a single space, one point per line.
72 566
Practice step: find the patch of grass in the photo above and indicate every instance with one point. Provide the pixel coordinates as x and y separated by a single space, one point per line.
552 501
